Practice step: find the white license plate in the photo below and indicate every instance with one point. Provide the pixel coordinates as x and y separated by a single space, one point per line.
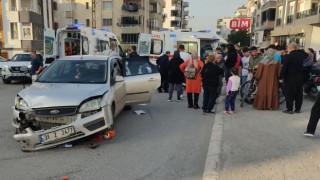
55 135
318 87
18 74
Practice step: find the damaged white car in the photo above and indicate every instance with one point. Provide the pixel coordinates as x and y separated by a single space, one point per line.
78 96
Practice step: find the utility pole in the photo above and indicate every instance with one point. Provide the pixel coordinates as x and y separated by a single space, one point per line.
94 14
181 13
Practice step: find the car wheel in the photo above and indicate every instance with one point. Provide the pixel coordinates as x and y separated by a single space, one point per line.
6 81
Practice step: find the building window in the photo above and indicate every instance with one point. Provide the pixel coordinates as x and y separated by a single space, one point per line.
75 21
107 4
14 30
26 29
87 22
107 22
13 5
87 5
130 38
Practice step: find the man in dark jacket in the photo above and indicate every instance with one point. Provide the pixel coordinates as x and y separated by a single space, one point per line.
163 62
292 77
133 52
210 81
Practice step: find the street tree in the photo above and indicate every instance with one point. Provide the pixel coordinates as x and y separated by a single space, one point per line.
241 37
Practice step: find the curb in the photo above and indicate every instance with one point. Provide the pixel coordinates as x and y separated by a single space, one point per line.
212 166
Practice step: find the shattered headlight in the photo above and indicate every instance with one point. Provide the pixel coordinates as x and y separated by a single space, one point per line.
91 105
21 104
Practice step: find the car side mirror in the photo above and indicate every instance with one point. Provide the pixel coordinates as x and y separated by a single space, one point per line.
119 78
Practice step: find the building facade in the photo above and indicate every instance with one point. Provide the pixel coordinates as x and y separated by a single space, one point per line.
297 21
176 15
22 25
223 29
262 13
125 18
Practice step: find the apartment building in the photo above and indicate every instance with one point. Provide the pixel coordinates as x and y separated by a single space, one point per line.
176 15
125 18
262 13
297 21
223 29
22 25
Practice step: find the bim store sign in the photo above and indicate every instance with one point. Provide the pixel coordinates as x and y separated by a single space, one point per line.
239 24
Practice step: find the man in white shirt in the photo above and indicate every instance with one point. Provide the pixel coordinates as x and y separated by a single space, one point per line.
111 51
185 56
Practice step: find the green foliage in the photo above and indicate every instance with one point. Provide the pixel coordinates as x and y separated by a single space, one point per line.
241 37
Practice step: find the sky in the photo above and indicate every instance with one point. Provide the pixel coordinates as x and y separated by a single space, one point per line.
206 12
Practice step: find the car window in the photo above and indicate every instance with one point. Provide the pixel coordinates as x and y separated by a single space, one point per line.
73 71
21 57
156 46
139 67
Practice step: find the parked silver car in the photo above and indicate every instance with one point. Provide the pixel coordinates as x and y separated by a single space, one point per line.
78 96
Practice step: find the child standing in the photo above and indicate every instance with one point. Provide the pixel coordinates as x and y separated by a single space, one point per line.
232 91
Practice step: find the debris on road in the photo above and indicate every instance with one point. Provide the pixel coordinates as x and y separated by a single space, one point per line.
139 112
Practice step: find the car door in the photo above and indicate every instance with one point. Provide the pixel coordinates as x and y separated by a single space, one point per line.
118 84
142 79
144 44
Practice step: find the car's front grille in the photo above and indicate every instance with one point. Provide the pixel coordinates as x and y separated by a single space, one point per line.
56 111
48 122
17 69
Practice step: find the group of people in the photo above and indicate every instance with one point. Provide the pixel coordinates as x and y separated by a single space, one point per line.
198 75
273 68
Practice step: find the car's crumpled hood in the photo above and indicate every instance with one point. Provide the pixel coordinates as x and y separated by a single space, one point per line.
41 95
18 63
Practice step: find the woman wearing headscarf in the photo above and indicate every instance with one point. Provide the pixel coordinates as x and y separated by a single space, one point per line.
268 74
191 69
231 60
175 76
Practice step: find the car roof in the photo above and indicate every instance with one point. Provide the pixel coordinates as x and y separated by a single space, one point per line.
87 57
26 53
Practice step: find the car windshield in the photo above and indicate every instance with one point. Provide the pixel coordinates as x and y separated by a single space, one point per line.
75 71
21 57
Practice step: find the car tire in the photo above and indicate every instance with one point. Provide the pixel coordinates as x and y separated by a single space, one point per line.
6 81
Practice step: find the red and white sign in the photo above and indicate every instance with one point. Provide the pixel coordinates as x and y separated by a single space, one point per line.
239 24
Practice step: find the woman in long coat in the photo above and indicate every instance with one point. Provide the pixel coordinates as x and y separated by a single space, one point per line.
175 76
193 85
268 74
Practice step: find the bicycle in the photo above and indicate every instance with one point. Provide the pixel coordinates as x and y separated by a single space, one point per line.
247 92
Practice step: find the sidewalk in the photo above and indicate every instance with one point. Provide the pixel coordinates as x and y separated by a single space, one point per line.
262 145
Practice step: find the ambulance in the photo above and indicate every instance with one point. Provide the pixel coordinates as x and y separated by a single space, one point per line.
157 43
77 40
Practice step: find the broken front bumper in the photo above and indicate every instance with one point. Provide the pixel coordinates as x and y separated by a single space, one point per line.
79 128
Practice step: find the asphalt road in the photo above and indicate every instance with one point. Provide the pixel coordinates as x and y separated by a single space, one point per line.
169 142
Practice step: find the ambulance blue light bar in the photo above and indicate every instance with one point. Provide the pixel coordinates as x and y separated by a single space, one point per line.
173 35
74 26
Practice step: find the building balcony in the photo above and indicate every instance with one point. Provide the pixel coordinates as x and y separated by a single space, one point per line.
269 4
30 16
290 19
185 22
132 13
27 9
132 28
267 25
278 22
185 4
161 2
185 13
157 16
309 17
